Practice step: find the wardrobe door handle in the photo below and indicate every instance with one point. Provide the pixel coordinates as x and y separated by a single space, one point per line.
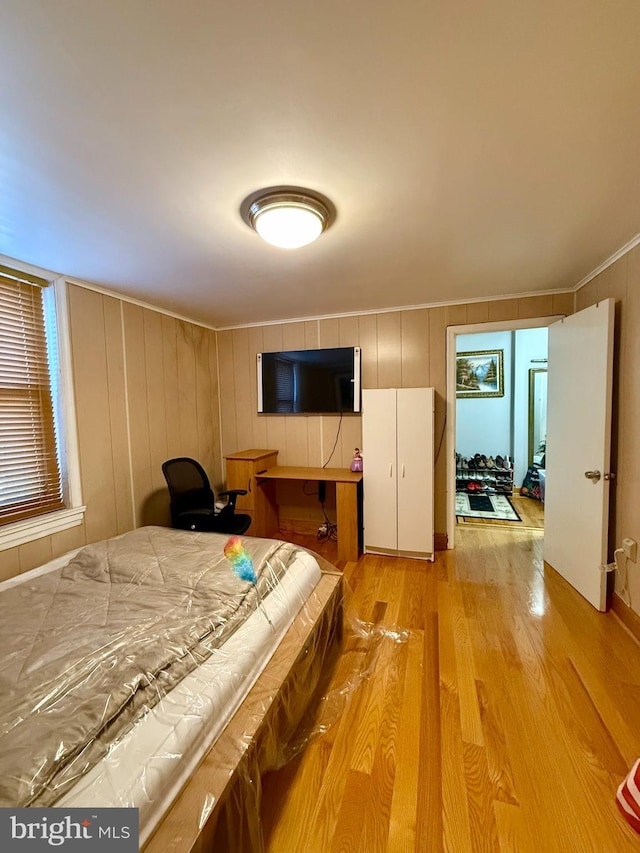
391 469
403 469
249 486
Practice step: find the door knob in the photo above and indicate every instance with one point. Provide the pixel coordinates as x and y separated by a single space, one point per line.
594 476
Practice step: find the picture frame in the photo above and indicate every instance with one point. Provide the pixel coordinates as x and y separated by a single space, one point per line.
480 373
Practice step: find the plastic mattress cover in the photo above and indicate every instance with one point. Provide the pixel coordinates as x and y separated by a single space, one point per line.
286 720
126 672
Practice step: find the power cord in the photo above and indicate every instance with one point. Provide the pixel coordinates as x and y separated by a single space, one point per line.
305 486
335 443
444 427
327 530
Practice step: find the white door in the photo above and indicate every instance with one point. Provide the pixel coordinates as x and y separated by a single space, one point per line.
379 452
578 448
415 469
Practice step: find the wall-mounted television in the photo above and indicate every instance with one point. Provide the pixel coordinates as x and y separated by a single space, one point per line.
311 382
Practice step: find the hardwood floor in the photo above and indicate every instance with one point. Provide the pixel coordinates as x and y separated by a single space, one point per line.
498 712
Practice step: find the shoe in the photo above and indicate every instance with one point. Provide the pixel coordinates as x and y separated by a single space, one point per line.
499 462
491 462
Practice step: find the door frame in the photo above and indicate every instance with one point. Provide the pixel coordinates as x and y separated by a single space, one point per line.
450 428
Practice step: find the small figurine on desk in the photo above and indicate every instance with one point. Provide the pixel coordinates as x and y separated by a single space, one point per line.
356 462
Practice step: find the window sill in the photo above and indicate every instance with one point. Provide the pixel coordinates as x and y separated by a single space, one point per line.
20 532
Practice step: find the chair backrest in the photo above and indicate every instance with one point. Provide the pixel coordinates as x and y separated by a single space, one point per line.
188 485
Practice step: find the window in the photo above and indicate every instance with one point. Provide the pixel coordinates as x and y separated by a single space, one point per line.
37 496
29 469
285 385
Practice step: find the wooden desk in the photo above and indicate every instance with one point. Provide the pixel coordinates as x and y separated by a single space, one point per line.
346 500
242 468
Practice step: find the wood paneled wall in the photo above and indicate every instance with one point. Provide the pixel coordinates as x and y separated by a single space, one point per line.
621 281
146 389
404 349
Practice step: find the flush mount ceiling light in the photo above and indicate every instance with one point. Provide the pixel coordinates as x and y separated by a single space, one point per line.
289 217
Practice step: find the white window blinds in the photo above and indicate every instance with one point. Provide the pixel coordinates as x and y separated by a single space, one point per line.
30 482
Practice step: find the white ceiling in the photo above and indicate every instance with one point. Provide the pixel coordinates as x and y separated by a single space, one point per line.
471 149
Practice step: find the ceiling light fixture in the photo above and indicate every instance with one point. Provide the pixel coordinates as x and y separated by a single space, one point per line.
287 217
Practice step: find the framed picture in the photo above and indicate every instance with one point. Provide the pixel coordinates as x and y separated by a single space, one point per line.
480 374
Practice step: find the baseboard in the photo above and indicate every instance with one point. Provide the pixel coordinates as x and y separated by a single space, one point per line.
309 526
394 552
626 615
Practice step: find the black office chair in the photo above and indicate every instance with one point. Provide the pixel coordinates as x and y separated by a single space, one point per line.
193 504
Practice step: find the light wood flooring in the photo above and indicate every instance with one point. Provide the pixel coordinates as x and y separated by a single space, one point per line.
498 712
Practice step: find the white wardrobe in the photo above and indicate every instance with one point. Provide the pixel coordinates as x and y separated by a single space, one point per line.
397 446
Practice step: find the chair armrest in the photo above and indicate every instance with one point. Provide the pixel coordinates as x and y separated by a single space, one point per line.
232 494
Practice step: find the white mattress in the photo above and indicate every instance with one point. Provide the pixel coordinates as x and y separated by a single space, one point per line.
150 764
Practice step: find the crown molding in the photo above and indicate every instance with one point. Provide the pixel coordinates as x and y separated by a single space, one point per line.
105 291
603 266
52 276
361 313
28 269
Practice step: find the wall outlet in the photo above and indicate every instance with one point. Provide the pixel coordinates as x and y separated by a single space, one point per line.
630 547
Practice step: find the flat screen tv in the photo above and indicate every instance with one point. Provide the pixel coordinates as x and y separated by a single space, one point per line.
312 382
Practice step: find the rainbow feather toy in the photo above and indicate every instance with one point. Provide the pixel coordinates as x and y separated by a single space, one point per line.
240 560
242 565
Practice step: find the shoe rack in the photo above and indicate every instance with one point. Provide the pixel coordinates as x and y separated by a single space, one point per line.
482 474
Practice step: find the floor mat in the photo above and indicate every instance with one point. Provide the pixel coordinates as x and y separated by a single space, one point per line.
498 507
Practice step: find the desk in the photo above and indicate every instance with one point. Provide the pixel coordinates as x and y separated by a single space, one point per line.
346 500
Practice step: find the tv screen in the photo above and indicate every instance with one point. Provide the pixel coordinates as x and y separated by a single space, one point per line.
316 381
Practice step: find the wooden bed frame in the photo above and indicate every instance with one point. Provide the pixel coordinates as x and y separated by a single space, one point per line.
218 809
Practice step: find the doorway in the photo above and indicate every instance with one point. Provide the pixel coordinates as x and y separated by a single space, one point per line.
496 435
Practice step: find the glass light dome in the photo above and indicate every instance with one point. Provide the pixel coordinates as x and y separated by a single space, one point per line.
288 220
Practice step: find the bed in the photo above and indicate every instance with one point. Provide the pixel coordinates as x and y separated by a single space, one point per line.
142 671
